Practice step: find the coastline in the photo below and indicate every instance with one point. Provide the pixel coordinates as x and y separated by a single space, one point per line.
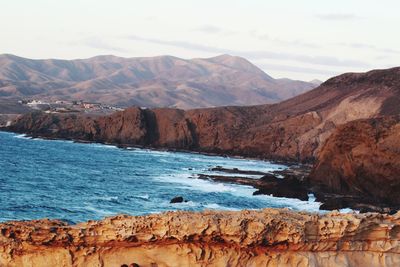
127 146
294 185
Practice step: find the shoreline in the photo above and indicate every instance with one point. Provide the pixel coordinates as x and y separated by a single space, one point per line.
288 163
288 183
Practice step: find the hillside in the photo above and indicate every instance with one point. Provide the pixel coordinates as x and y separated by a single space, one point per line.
162 81
293 129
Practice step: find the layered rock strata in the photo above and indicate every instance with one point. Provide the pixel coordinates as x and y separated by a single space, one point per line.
269 237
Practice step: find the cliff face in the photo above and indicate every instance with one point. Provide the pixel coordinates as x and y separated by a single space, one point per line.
268 237
362 157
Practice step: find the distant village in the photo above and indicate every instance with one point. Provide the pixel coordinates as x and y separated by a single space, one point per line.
62 106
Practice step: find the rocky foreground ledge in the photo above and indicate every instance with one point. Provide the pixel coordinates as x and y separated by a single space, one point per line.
269 237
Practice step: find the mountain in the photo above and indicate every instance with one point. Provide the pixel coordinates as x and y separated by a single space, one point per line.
163 81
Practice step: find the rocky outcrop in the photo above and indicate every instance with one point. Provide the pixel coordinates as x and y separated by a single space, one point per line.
290 183
267 237
362 158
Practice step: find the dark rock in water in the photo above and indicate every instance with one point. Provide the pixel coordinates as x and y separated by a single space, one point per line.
290 186
363 204
236 171
334 204
177 200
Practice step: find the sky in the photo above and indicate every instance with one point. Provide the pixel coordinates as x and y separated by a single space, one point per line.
305 40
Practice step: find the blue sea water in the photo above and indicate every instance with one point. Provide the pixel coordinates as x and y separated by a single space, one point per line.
79 182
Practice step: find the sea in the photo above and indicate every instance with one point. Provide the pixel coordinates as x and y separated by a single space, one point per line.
77 182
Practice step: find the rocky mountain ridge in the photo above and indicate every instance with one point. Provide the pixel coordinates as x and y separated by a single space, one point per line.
163 81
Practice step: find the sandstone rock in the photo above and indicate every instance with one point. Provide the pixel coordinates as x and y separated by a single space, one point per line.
270 237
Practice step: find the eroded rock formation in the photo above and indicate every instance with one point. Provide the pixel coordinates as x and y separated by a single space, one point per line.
267 237
362 158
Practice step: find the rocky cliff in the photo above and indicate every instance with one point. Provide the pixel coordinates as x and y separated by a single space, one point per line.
363 158
267 237
291 130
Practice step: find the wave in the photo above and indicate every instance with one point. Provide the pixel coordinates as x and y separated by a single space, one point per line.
106 198
196 184
103 146
145 196
215 206
21 136
101 212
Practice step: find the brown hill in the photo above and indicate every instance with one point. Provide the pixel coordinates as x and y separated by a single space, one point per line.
163 81
293 129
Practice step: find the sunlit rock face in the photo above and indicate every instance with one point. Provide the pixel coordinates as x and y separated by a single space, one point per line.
269 237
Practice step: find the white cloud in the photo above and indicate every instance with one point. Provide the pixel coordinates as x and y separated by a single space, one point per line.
337 16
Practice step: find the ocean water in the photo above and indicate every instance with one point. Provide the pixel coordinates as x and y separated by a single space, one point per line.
79 182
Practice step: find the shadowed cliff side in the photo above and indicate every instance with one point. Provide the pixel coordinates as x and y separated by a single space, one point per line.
268 237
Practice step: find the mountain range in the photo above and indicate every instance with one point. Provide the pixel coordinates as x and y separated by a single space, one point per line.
163 81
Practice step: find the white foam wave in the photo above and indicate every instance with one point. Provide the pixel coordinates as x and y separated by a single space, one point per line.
197 184
21 136
103 145
145 196
100 212
106 198
293 203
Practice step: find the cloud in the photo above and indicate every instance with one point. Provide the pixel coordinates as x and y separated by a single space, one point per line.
297 42
337 16
180 44
256 55
212 29
296 69
209 29
97 43
370 47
